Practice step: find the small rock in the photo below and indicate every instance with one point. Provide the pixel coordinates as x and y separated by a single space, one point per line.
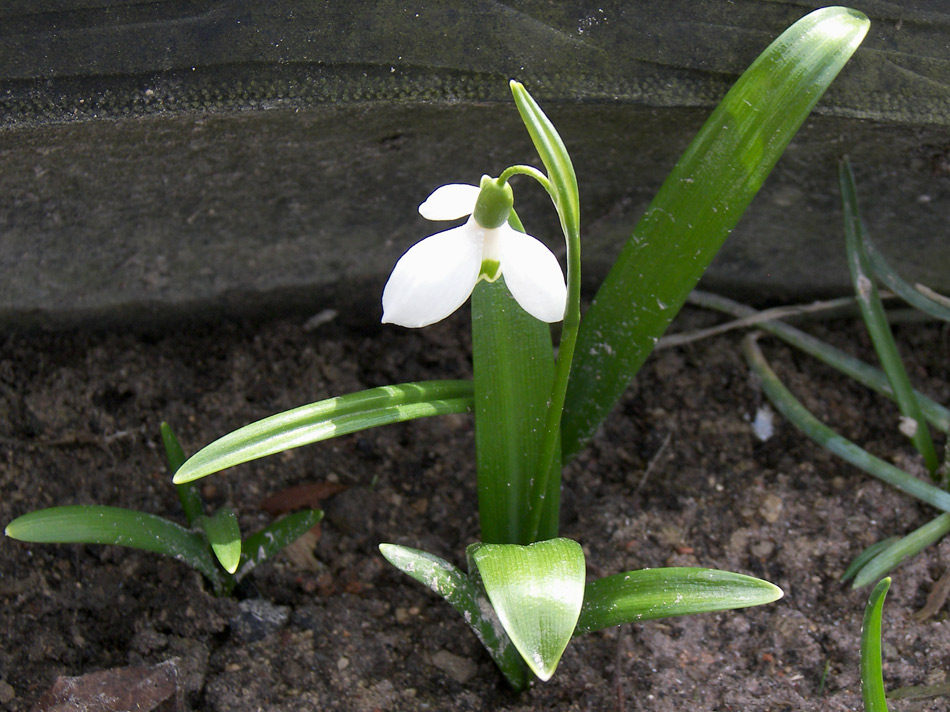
771 508
458 668
257 618
139 688
7 693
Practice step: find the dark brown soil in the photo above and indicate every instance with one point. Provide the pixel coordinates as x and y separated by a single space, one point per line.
79 420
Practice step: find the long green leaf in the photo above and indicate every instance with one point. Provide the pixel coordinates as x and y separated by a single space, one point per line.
97 524
513 368
328 419
872 670
697 207
537 592
863 373
892 556
465 597
661 593
275 536
802 418
862 559
875 319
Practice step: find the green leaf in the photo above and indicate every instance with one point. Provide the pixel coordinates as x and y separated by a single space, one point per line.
802 418
188 495
224 535
661 593
901 550
513 368
862 559
697 207
863 373
275 536
536 591
328 419
872 671
465 597
875 319
96 524
553 155
917 296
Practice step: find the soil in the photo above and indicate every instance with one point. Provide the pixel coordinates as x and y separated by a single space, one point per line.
675 478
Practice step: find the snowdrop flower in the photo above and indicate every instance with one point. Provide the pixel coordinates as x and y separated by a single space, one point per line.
437 275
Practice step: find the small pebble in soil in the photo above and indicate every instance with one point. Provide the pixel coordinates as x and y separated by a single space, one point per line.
256 619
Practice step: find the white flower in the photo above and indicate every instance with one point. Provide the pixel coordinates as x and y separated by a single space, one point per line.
437 275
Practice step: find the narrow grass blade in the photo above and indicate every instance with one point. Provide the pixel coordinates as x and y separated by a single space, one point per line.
875 319
901 550
328 419
96 524
872 670
861 560
191 502
463 595
537 592
801 418
661 593
697 207
224 536
863 373
917 296
275 536
513 372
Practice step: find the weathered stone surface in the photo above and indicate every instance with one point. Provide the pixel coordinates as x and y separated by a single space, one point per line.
195 158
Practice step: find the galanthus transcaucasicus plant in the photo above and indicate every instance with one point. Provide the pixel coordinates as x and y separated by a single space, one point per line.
525 593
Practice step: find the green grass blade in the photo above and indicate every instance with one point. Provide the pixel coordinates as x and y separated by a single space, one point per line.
697 207
863 373
801 418
514 369
224 536
661 593
893 281
275 536
875 319
97 524
862 559
872 670
326 419
188 495
901 550
464 596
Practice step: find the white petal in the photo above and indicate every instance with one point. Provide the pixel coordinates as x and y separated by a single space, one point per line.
434 278
450 202
533 275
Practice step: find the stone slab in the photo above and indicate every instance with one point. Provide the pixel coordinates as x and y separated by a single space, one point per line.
205 158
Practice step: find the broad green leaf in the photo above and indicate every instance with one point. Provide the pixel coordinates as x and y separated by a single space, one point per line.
513 371
875 320
661 593
697 207
802 418
464 596
901 550
328 419
275 536
96 524
862 559
536 591
224 535
191 502
872 671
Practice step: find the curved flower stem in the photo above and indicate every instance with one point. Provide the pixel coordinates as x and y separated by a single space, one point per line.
543 521
531 172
